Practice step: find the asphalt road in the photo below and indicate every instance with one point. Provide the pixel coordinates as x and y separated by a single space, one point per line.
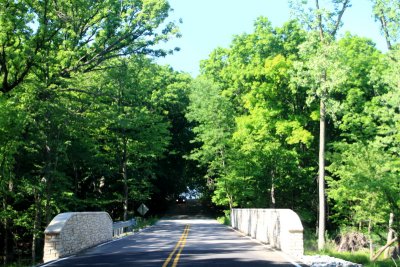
186 239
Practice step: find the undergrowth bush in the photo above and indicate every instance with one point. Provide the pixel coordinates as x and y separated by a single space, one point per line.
226 218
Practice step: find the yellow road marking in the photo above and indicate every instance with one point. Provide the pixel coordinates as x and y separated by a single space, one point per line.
180 250
181 243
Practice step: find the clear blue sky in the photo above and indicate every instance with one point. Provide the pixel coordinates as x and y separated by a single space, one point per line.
208 24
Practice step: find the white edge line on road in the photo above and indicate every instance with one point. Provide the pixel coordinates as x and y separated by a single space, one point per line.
58 260
100 245
61 259
284 255
109 242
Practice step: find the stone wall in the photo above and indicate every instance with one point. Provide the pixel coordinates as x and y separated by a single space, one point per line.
71 232
280 228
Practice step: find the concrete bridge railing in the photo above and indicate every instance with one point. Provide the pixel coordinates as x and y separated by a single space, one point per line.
71 232
280 228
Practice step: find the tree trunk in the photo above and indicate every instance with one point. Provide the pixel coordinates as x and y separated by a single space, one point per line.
5 240
384 27
47 180
6 220
125 179
230 198
321 177
390 235
36 226
379 252
273 202
321 156
371 247
126 191
76 179
229 195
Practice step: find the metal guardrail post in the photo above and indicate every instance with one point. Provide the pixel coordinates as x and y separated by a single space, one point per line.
119 227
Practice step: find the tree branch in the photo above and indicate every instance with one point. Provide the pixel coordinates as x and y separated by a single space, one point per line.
382 249
385 30
319 19
345 5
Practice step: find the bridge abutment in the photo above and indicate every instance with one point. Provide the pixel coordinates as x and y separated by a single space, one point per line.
280 228
71 232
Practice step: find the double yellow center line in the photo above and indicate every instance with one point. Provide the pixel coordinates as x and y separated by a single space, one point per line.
178 248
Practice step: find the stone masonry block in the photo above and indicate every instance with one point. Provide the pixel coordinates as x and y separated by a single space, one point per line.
68 233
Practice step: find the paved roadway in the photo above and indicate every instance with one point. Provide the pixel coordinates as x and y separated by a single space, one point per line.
180 240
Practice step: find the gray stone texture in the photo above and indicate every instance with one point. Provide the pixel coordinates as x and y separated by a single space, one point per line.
71 232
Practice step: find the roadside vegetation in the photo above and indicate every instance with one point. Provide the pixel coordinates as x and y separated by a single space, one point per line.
296 116
142 223
360 253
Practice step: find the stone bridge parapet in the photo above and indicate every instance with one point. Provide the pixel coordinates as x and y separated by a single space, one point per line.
280 228
71 232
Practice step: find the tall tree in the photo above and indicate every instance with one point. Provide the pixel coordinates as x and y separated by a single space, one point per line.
12 121
271 135
325 21
54 124
212 114
175 172
271 128
133 131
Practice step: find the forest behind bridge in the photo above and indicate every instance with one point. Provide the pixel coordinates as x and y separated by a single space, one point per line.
284 117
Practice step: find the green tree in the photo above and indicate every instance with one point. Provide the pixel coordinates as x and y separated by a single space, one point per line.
387 12
271 131
76 36
269 134
12 120
365 185
326 75
133 132
175 173
212 114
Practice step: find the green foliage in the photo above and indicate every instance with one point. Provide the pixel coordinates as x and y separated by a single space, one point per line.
226 219
65 146
268 128
271 78
63 38
320 15
145 222
367 186
387 13
213 115
89 122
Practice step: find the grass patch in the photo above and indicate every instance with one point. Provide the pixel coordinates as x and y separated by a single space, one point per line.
360 257
144 222
356 257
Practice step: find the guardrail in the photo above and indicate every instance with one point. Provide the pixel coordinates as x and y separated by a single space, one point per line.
122 227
